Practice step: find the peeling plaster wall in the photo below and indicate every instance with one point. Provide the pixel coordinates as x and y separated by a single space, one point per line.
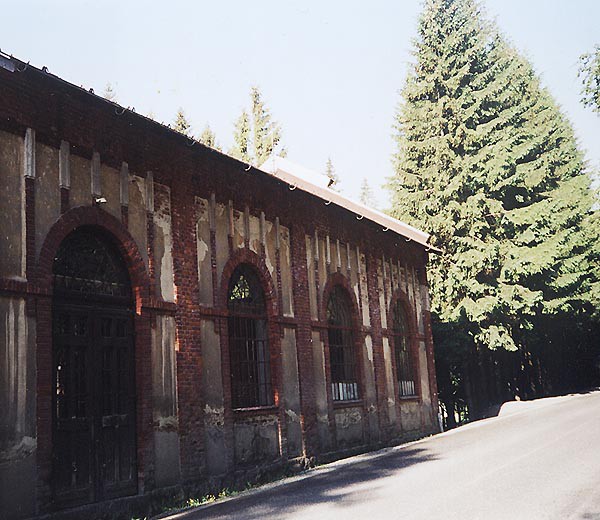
163 242
321 392
80 193
256 439
349 427
364 291
12 234
110 186
205 286
212 391
138 221
17 409
370 393
291 392
221 237
47 200
389 381
164 409
287 297
312 284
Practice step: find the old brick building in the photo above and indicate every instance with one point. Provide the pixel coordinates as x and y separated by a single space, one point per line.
170 316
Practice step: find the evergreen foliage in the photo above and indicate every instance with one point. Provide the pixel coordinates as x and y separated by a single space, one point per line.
109 93
488 164
208 138
366 195
181 123
256 136
589 71
334 179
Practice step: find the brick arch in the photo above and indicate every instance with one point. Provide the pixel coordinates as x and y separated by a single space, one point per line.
91 217
249 257
94 217
399 296
338 279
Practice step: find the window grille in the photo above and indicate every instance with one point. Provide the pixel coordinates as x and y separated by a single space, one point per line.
88 266
404 363
248 341
342 355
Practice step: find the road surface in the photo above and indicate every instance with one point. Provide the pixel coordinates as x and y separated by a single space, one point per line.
539 461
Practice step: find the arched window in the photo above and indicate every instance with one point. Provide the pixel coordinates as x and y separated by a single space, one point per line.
404 363
248 341
342 355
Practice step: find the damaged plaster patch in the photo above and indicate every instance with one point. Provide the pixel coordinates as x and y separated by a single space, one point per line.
323 418
202 250
168 423
23 449
214 417
347 418
293 416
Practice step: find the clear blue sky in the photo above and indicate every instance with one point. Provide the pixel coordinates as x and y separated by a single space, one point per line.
329 71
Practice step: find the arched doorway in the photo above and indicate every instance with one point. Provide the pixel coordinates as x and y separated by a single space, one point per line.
94 450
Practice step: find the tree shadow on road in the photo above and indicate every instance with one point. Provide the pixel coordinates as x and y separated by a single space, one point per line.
325 485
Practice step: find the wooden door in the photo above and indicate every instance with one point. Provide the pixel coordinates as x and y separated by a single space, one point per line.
94 433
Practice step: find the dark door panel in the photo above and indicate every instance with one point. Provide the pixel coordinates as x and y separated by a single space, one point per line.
94 409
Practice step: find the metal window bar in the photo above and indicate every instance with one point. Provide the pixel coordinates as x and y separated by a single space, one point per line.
248 343
405 371
342 355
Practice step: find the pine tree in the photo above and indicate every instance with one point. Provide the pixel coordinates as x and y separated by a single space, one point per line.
488 164
589 72
256 138
109 93
208 138
241 137
334 179
181 123
366 196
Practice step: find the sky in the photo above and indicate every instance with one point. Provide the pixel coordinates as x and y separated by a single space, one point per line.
330 72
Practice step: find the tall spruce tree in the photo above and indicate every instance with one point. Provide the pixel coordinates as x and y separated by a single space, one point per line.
181 123
589 72
208 138
366 195
487 163
256 136
334 178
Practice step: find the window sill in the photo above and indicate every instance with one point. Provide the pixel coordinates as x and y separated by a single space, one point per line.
408 398
256 410
347 404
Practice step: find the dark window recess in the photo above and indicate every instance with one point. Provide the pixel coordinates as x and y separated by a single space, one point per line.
87 265
404 362
248 341
342 355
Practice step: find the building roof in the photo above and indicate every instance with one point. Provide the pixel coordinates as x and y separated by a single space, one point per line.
296 176
304 179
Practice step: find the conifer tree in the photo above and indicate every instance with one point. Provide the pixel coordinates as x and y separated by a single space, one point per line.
589 71
334 179
366 195
109 93
181 123
208 138
241 138
487 163
256 136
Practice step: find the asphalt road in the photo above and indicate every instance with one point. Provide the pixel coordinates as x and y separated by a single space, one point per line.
540 460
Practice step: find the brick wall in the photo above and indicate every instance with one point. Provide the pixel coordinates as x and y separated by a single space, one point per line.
299 246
